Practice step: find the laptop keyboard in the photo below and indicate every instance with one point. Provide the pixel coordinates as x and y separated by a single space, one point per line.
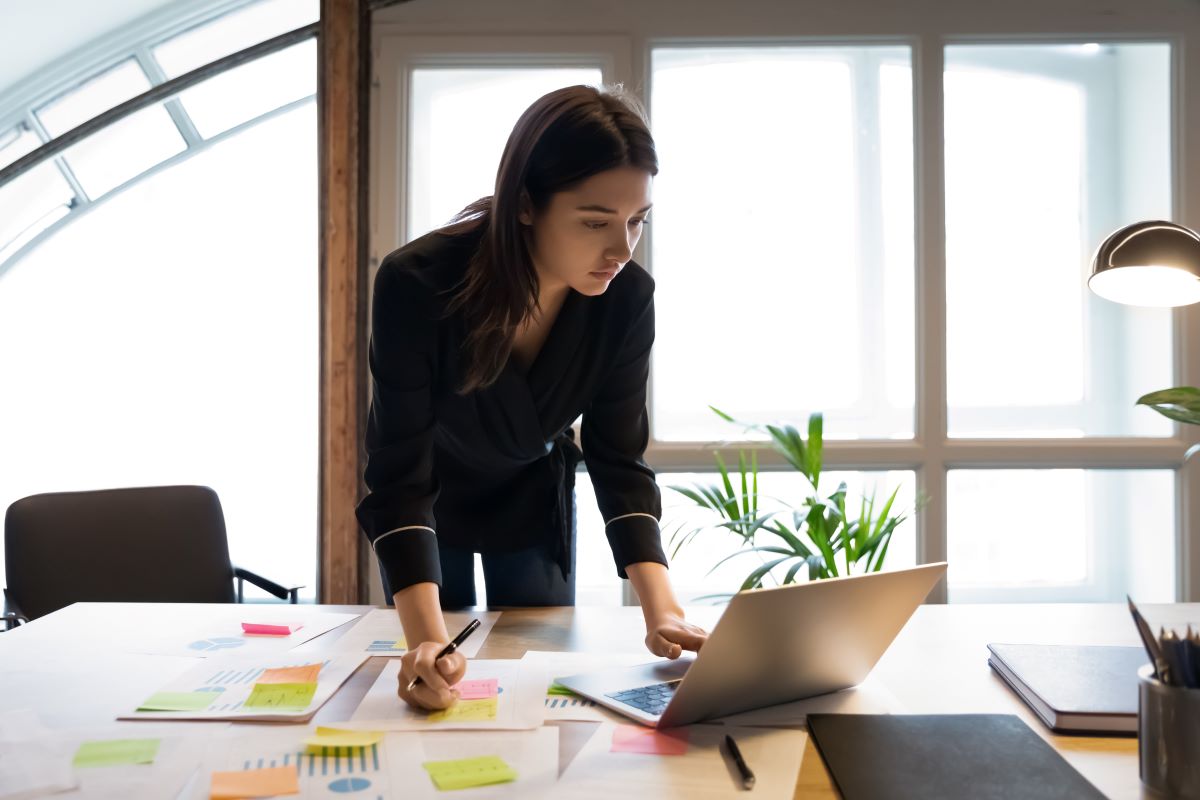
651 699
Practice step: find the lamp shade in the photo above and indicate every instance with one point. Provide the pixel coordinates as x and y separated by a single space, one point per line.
1153 263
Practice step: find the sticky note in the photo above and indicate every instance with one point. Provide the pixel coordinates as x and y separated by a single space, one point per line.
477 689
254 783
466 711
271 629
305 674
336 737
116 751
463 773
636 739
281 696
179 701
558 689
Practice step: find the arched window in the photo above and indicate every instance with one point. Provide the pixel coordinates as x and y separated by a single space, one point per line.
158 275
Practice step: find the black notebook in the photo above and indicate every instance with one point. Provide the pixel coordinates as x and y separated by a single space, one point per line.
1074 689
943 757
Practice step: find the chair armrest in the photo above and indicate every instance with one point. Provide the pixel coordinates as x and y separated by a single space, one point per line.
289 593
11 614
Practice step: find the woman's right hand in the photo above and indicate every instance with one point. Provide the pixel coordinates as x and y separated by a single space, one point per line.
433 692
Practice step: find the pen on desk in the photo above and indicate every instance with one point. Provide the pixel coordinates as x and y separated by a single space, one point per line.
747 775
450 648
1149 642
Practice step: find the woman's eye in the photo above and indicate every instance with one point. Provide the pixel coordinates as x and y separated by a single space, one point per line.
597 225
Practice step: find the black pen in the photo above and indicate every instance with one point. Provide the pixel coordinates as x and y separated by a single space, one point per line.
747 775
450 648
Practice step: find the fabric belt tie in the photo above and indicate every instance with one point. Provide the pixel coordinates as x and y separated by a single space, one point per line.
564 457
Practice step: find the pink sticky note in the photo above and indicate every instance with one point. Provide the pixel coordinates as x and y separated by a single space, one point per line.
273 629
478 690
636 739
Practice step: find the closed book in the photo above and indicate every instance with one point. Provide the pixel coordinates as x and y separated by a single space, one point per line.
1074 688
943 757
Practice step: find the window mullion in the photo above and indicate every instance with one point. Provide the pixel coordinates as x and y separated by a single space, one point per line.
150 66
930 238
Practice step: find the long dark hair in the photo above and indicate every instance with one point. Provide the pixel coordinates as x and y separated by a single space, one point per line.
562 139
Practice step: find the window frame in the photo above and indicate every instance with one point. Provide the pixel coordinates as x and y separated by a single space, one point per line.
931 453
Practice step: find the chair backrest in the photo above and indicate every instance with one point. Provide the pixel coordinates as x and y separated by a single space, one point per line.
146 544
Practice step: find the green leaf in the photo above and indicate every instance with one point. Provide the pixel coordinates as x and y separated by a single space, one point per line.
755 578
790 577
816 425
1181 403
722 414
744 551
790 538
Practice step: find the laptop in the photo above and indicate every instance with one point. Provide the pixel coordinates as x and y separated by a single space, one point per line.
772 645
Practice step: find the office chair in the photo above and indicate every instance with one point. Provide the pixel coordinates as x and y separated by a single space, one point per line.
146 544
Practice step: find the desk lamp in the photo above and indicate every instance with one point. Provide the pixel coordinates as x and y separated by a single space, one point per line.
1152 263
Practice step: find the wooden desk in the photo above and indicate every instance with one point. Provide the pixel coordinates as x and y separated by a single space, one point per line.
938 664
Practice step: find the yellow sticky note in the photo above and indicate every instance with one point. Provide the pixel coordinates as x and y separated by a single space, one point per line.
266 782
305 674
463 773
336 737
466 711
281 696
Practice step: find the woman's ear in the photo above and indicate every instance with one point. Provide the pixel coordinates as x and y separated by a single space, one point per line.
524 209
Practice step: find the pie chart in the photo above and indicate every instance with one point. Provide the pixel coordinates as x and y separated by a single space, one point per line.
217 643
346 785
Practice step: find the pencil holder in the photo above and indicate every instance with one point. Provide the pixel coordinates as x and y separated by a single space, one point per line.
1168 737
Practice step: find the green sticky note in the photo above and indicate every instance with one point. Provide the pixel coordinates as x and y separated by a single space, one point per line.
557 689
179 701
463 773
281 696
115 752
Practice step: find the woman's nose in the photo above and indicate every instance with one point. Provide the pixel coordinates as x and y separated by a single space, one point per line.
621 250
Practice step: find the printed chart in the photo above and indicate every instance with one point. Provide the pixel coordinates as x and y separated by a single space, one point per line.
255 688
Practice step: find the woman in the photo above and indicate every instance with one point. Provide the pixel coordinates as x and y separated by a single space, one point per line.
491 336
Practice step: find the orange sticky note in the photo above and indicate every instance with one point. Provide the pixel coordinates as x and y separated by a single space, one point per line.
305 674
636 739
254 783
271 629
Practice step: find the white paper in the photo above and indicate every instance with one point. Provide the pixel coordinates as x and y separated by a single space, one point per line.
869 697
21 725
35 769
168 629
232 679
174 762
532 754
560 664
223 634
703 773
377 632
519 704
391 769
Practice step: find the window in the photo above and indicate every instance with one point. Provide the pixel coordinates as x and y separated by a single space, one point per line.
772 224
894 230
1041 144
158 292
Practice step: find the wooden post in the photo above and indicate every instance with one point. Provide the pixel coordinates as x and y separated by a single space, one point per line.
342 95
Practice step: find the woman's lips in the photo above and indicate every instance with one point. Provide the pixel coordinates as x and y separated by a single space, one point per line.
606 274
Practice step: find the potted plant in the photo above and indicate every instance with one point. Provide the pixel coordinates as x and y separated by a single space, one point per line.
820 537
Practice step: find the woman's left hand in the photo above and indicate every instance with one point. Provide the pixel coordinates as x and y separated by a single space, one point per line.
670 634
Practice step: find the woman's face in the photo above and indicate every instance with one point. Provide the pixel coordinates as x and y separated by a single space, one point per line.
585 235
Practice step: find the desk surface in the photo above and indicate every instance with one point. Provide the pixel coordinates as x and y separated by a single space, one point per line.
938 664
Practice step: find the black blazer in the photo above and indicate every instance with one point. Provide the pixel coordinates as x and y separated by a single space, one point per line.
494 470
